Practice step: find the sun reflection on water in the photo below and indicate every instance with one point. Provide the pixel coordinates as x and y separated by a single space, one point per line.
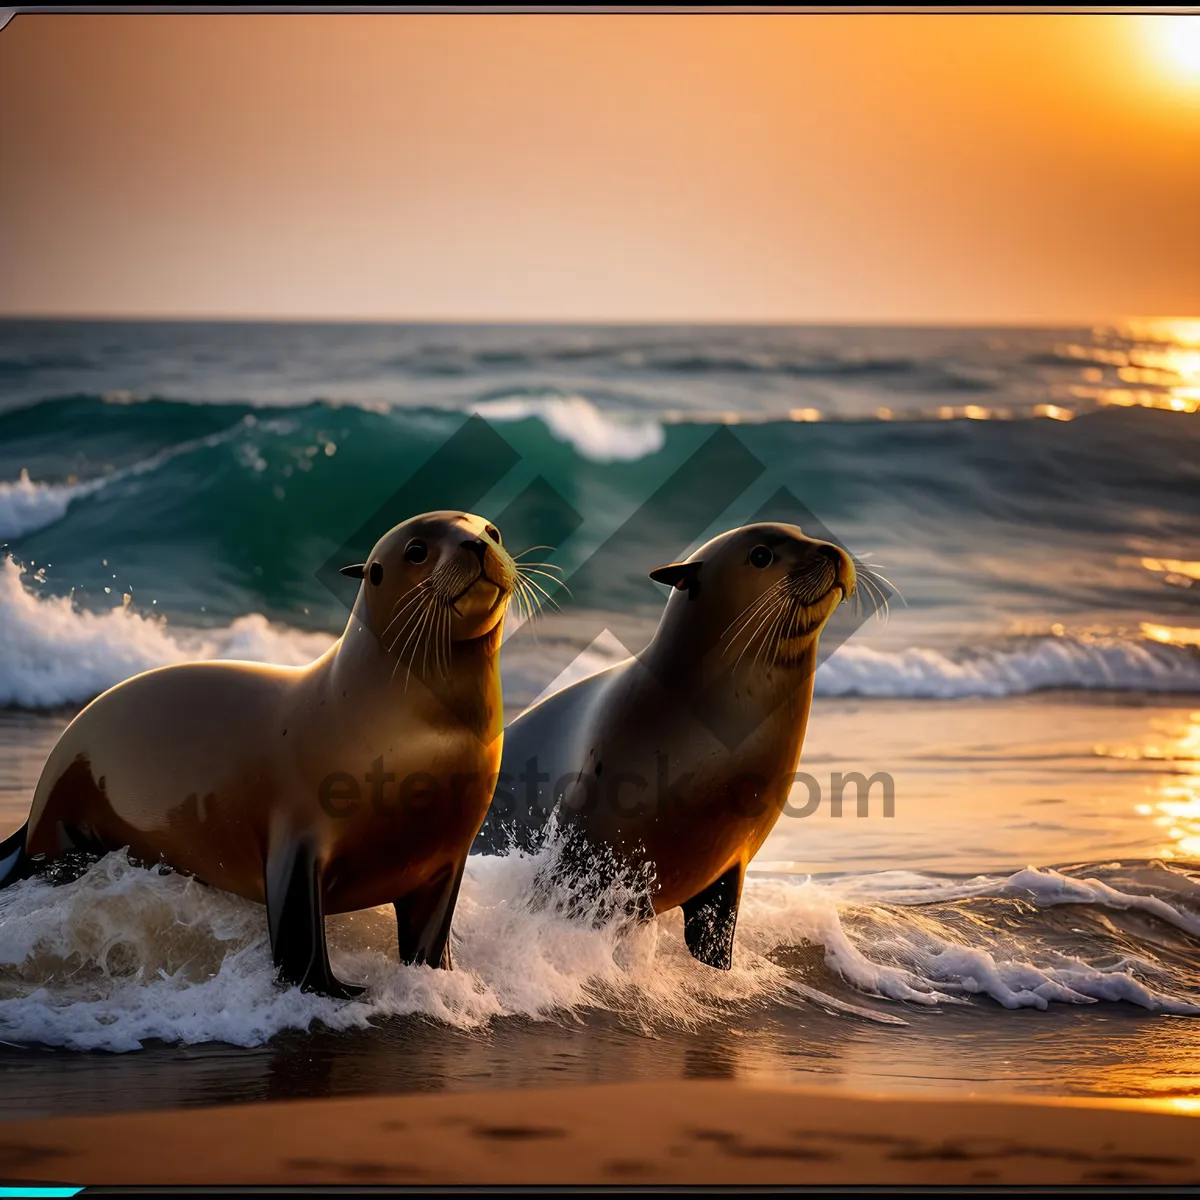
1175 805
1157 367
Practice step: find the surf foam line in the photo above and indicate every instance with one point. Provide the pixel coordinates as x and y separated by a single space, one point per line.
596 435
1034 664
1112 663
52 653
124 954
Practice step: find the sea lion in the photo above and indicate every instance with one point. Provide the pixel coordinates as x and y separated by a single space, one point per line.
680 759
358 780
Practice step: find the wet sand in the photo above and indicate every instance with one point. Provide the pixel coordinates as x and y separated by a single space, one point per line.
677 1133
1097 1052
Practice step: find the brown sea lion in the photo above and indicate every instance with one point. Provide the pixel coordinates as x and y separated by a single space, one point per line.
680 760
356 781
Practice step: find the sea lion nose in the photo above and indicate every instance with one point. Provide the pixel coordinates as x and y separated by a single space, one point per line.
844 565
476 544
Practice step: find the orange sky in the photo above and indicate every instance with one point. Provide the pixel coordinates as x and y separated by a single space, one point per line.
754 167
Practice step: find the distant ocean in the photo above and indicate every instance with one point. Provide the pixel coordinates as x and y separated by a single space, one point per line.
175 490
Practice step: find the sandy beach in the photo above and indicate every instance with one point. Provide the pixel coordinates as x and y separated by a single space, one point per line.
676 1133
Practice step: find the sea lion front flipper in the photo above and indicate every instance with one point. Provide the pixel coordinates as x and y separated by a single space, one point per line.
296 921
423 919
15 864
710 917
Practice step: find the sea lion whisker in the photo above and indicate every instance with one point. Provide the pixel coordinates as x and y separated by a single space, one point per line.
879 600
548 599
530 550
812 584
767 616
523 616
779 630
763 634
549 566
768 644
754 632
414 639
760 613
412 616
533 607
879 577
422 639
868 588
401 606
400 657
528 571
530 598
419 584
748 612
519 601
873 586
422 585
525 611
442 646
519 594
434 624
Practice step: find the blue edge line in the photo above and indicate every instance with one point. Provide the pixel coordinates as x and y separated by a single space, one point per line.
29 1191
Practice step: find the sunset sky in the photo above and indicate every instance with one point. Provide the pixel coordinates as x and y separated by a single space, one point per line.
897 168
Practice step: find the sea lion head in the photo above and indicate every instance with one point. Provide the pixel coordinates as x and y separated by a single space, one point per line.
760 593
437 579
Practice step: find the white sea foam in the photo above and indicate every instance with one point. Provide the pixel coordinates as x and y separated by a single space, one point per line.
597 435
124 954
1035 664
52 654
27 505
1112 664
1041 885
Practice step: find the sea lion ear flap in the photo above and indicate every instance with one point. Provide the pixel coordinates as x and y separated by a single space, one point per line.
681 575
356 571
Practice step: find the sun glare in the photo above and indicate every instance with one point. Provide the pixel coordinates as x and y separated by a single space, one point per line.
1177 39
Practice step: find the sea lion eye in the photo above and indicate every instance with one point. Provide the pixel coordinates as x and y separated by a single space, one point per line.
376 573
761 557
416 551
493 533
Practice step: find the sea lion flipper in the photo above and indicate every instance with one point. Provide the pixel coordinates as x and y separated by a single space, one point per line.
296 920
710 917
14 862
423 919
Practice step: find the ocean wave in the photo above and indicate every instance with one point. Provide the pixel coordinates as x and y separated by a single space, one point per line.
124 954
53 654
28 505
599 436
1119 664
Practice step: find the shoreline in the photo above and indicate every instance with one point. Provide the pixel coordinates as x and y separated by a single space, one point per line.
700 1132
